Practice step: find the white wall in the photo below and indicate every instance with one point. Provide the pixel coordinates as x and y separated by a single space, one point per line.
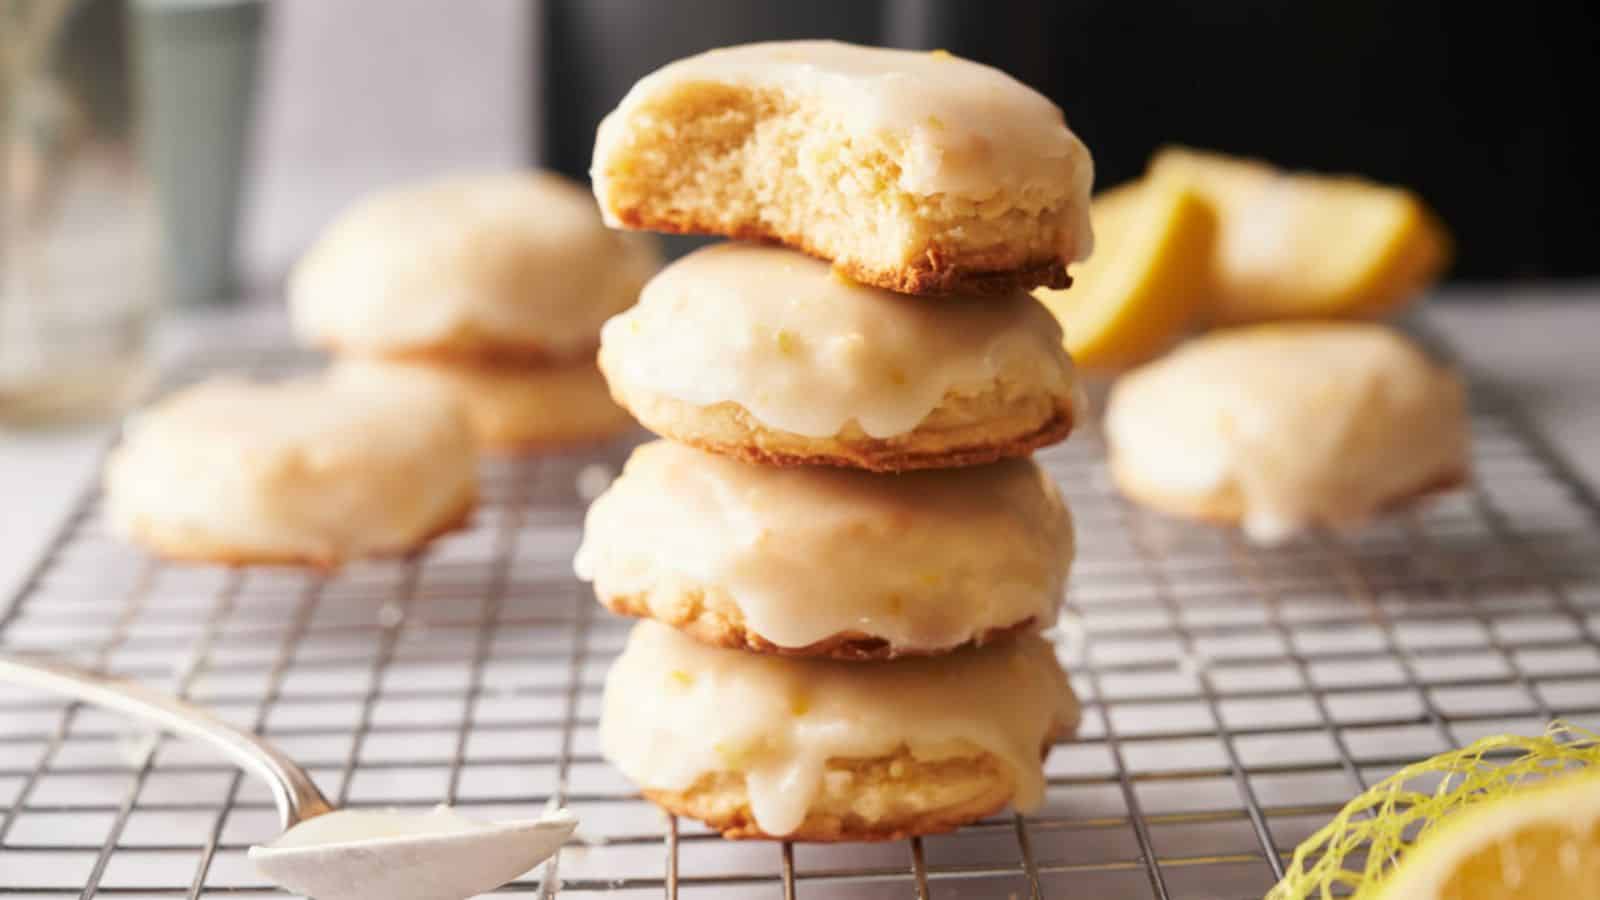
357 94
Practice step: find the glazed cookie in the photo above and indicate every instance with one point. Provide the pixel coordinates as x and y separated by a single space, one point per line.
513 267
814 750
513 409
765 354
1280 427
918 172
828 562
308 471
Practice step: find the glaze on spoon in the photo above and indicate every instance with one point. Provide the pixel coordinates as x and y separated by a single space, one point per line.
326 853
351 854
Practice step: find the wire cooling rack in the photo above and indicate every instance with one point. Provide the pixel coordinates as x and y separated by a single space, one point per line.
1234 696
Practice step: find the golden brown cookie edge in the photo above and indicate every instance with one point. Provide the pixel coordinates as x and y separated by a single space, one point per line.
869 457
847 646
933 274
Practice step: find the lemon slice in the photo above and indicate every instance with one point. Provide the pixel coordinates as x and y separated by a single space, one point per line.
1509 818
1294 245
1140 289
1543 842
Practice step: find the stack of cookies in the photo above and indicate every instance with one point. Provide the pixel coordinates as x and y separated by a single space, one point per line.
843 553
492 288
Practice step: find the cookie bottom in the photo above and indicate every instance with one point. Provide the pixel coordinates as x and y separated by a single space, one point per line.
934 272
713 618
962 431
1227 507
180 545
881 799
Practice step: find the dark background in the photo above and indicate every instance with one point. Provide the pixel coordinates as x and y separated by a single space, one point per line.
1484 109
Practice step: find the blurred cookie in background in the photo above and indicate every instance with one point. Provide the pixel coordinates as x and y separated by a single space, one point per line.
514 267
309 471
1282 427
513 409
491 286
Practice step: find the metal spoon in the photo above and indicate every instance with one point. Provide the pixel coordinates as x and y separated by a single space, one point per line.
340 855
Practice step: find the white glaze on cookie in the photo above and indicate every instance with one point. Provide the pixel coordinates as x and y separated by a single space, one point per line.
967 130
309 468
924 560
806 351
675 710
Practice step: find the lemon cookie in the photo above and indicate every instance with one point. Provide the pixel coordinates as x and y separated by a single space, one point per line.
816 750
1279 427
828 562
513 409
511 267
764 354
307 471
917 172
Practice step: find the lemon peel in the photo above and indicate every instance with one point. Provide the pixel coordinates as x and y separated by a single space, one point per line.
1146 282
1383 822
1297 245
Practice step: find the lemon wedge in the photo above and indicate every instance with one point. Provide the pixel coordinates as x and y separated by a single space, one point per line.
1140 289
1541 842
1507 818
1295 245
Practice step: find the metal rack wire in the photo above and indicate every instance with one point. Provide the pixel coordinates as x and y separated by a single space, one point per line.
1234 696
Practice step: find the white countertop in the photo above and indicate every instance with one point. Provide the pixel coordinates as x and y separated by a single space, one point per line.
1542 346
